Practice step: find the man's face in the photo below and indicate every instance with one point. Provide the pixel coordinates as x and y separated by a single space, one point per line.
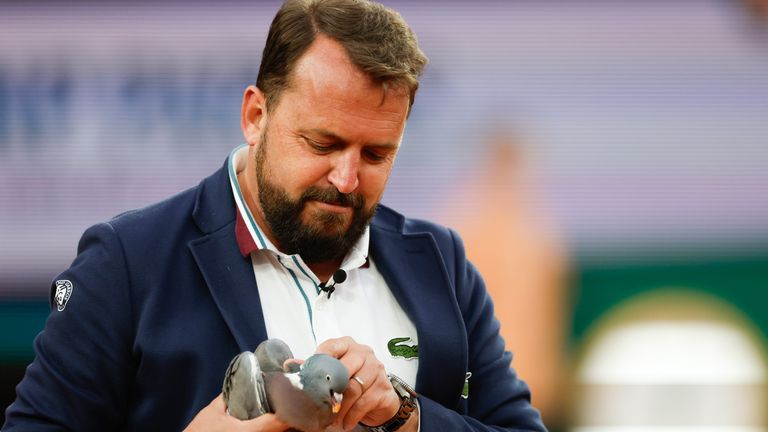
322 156
328 236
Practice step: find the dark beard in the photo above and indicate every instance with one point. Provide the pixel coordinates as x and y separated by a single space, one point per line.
325 239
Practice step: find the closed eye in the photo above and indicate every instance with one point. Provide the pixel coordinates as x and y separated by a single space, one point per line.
375 156
318 147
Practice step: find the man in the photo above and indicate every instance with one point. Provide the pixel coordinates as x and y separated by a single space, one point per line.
160 299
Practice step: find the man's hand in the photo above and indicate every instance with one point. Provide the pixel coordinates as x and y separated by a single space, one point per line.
214 418
369 398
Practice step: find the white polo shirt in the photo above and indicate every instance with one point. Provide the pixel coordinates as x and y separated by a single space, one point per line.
298 312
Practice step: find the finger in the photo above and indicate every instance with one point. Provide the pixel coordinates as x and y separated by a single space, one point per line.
379 397
264 423
354 390
361 382
217 404
366 374
350 353
363 398
336 347
292 365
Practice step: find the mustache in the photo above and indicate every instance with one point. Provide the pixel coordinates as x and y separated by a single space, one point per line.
331 195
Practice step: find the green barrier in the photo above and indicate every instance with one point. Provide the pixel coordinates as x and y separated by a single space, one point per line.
21 321
741 282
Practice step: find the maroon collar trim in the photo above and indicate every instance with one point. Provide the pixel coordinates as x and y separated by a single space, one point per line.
244 238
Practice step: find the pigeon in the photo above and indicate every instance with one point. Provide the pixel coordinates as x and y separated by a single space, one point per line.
305 396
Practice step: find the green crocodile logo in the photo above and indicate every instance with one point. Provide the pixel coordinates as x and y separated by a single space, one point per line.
397 349
465 390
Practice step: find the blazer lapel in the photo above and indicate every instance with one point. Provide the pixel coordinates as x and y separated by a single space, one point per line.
228 274
415 272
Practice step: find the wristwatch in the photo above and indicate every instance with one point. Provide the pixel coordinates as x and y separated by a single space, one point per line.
407 405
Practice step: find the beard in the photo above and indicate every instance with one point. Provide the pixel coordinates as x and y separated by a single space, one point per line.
323 238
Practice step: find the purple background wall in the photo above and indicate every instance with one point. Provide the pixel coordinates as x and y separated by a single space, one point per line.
647 120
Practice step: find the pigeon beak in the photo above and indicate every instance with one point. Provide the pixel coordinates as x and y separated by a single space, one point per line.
336 402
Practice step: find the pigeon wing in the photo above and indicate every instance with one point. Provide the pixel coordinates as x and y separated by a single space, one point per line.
272 354
243 387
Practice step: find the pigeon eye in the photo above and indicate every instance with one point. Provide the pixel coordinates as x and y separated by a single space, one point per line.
327 377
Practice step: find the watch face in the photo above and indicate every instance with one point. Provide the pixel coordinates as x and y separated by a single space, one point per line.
401 387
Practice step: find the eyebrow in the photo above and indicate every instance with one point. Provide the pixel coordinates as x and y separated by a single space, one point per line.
335 138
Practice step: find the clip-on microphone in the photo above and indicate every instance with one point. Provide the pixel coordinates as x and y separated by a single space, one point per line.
338 277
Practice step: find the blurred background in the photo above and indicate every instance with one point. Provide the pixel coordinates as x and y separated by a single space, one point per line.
606 163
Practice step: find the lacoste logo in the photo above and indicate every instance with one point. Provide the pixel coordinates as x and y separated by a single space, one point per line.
63 291
397 348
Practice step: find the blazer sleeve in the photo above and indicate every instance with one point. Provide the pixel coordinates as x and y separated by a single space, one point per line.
80 377
498 400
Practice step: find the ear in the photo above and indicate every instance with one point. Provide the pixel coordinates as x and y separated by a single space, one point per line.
253 114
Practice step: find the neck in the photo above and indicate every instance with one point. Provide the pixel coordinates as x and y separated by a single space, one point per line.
324 270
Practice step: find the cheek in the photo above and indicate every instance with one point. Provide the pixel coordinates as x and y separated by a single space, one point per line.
372 183
296 174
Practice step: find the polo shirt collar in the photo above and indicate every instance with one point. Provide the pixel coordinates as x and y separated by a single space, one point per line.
250 236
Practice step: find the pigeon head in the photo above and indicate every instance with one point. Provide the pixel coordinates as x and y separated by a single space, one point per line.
324 379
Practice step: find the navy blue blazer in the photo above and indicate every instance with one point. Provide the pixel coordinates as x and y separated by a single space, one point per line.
162 300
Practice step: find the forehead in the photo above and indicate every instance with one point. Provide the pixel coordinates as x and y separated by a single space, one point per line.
325 84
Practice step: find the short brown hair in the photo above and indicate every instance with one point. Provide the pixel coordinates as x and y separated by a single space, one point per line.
376 38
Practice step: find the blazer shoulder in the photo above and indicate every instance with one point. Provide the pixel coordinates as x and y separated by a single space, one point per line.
169 210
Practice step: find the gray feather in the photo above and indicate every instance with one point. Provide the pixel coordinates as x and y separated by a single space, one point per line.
243 388
272 354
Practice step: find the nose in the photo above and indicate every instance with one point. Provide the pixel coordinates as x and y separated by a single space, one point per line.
345 170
